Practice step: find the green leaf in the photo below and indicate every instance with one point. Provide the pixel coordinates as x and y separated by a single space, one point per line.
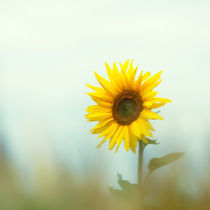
124 184
158 112
152 141
156 163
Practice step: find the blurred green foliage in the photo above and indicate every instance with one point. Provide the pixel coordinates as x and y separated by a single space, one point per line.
62 191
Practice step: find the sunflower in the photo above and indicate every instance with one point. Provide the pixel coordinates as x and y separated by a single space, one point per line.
123 106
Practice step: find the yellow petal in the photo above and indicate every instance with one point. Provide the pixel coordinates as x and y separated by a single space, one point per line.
148 114
157 105
133 142
99 112
117 77
94 88
101 96
126 138
120 137
145 76
132 74
146 96
131 70
147 104
138 81
125 80
109 131
136 130
98 116
123 76
101 128
143 127
164 100
141 79
100 125
112 77
151 81
105 139
115 70
114 138
139 127
134 139
148 125
105 104
109 135
109 71
94 108
144 139
125 65
143 91
106 84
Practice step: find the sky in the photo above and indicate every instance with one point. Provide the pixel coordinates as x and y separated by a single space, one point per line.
49 50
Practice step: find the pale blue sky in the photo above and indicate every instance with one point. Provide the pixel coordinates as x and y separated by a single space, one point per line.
48 51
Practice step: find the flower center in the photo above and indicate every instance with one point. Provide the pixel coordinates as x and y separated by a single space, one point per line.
127 107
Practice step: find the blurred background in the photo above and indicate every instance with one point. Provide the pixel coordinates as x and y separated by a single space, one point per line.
49 50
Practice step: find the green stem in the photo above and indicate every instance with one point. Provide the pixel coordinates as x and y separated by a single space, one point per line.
140 163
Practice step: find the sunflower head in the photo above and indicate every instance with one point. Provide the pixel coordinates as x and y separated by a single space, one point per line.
124 106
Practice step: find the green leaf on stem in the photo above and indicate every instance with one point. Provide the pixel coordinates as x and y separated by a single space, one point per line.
152 141
126 185
156 163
